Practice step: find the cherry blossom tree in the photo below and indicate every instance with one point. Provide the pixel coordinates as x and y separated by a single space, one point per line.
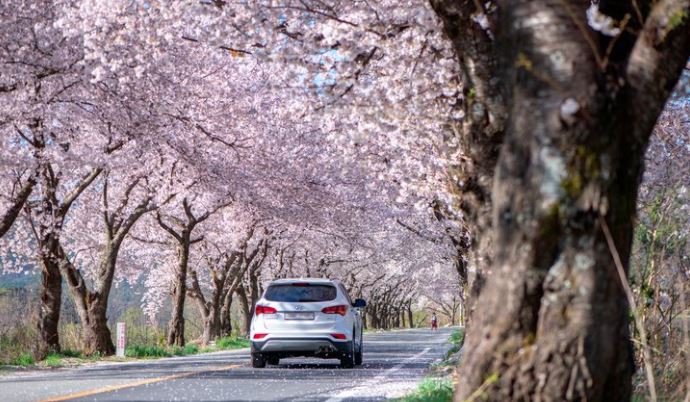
89 270
181 228
219 268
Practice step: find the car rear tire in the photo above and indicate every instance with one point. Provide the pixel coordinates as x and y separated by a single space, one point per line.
347 360
273 360
359 353
258 360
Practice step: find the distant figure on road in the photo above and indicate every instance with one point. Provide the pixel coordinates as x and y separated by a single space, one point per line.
434 322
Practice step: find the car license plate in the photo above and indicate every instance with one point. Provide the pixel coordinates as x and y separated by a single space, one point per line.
299 316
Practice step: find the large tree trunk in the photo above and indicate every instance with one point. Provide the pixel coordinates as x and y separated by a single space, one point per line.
209 317
372 310
49 227
211 326
49 311
244 310
481 134
409 316
209 310
225 317
97 336
552 322
214 314
176 323
92 306
254 292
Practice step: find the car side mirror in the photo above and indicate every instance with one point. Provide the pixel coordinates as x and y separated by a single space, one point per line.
359 303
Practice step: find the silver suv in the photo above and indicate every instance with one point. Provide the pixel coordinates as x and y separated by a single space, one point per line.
306 317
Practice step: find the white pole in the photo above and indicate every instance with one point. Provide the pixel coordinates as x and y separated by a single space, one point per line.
121 340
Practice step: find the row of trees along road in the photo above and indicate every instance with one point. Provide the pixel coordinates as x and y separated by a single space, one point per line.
502 139
167 171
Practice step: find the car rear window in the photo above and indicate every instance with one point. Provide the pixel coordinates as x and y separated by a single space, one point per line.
300 292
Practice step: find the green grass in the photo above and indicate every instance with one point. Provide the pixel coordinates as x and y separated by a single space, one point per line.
431 390
231 343
147 351
25 359
70 353
53 360
190 349
456 338
135 351
75 357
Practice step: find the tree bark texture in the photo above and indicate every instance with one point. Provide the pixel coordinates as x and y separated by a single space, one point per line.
551 323
245 312
225 317
409 315
49 311
176 323
51 282
481 134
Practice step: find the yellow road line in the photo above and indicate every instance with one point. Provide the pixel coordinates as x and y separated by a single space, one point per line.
111 388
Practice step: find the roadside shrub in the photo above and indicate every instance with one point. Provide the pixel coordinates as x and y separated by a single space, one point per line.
190 349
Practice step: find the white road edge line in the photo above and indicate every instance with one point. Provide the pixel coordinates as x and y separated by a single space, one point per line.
352 392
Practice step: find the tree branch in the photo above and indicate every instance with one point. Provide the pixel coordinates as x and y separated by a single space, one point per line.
167 228
83 184
656 62
8 218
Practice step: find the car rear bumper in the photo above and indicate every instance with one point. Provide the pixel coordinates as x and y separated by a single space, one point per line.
301 346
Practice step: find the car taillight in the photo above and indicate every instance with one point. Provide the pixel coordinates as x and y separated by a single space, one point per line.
265 310
259 336
342 310
339 336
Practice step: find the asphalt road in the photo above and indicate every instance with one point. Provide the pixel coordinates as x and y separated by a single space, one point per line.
394 363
